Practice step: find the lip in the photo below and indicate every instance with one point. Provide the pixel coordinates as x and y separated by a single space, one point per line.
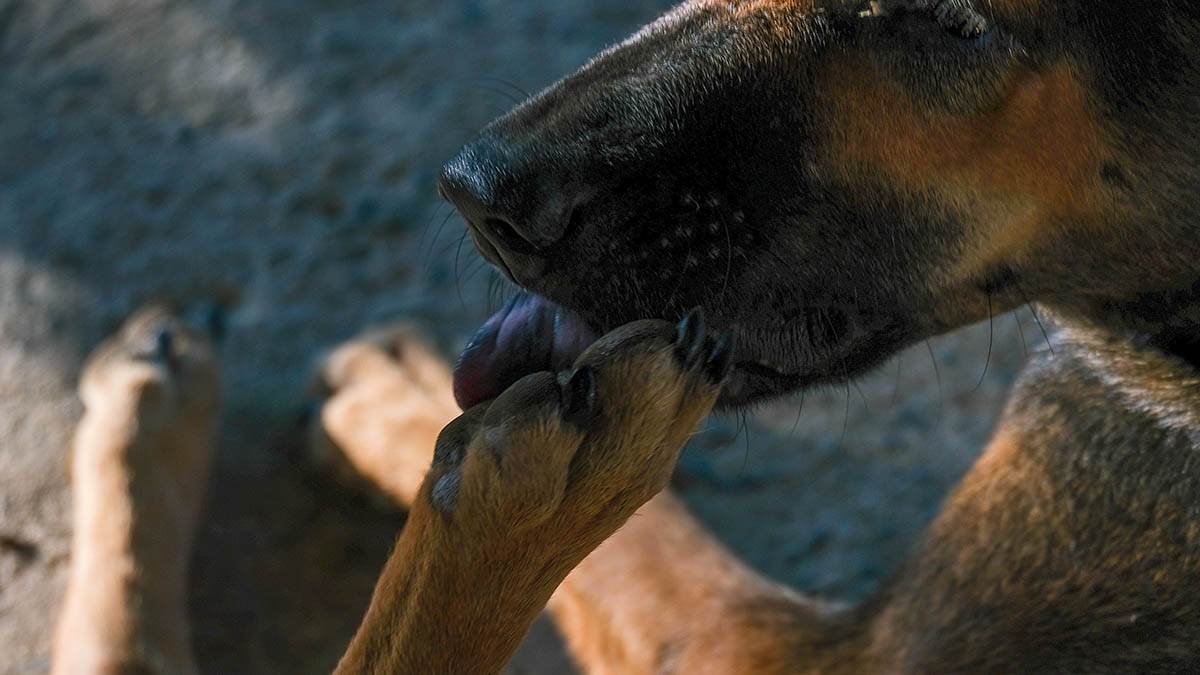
491 254
512 264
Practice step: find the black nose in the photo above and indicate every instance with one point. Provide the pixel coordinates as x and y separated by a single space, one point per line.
511 200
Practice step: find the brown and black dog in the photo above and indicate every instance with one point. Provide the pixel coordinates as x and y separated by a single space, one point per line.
828 181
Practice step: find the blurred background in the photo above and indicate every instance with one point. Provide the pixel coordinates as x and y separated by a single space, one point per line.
281 155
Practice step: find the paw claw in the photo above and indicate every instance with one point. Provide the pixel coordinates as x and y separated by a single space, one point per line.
164 344
689 340
579 397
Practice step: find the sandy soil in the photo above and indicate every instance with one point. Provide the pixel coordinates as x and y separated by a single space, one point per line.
284 152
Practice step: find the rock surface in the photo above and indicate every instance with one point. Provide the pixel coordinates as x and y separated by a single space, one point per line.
282 154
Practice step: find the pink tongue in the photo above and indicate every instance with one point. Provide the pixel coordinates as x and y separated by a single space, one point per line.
530 334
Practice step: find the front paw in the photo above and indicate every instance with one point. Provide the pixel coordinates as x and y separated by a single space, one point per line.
562 460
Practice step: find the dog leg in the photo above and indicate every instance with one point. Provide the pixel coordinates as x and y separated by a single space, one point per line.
522 489
139 469
663 596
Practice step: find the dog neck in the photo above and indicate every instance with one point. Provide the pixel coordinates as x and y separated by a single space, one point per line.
1147 347
1166 321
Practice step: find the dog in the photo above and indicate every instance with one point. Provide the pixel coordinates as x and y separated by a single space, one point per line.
752 197
830 182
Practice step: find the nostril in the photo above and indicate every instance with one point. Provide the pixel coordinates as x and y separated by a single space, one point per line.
509 237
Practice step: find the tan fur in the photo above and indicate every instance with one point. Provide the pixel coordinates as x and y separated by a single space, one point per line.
623 611
1022 169
140 461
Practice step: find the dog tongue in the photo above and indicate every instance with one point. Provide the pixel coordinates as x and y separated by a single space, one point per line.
530 334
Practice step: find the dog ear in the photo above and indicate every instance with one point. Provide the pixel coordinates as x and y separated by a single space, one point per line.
956 16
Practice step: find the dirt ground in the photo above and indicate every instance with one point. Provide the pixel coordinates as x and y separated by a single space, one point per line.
285 152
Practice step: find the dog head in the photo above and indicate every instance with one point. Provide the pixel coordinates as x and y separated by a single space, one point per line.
834 180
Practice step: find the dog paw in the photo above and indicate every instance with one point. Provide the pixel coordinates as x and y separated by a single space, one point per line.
157 368
151 396
562 460
384 396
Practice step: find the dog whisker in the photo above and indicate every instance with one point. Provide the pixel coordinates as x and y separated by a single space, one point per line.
799 411
991 337
457 276
1037 319
1021 333
937 373
845 419
428 255
896 385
